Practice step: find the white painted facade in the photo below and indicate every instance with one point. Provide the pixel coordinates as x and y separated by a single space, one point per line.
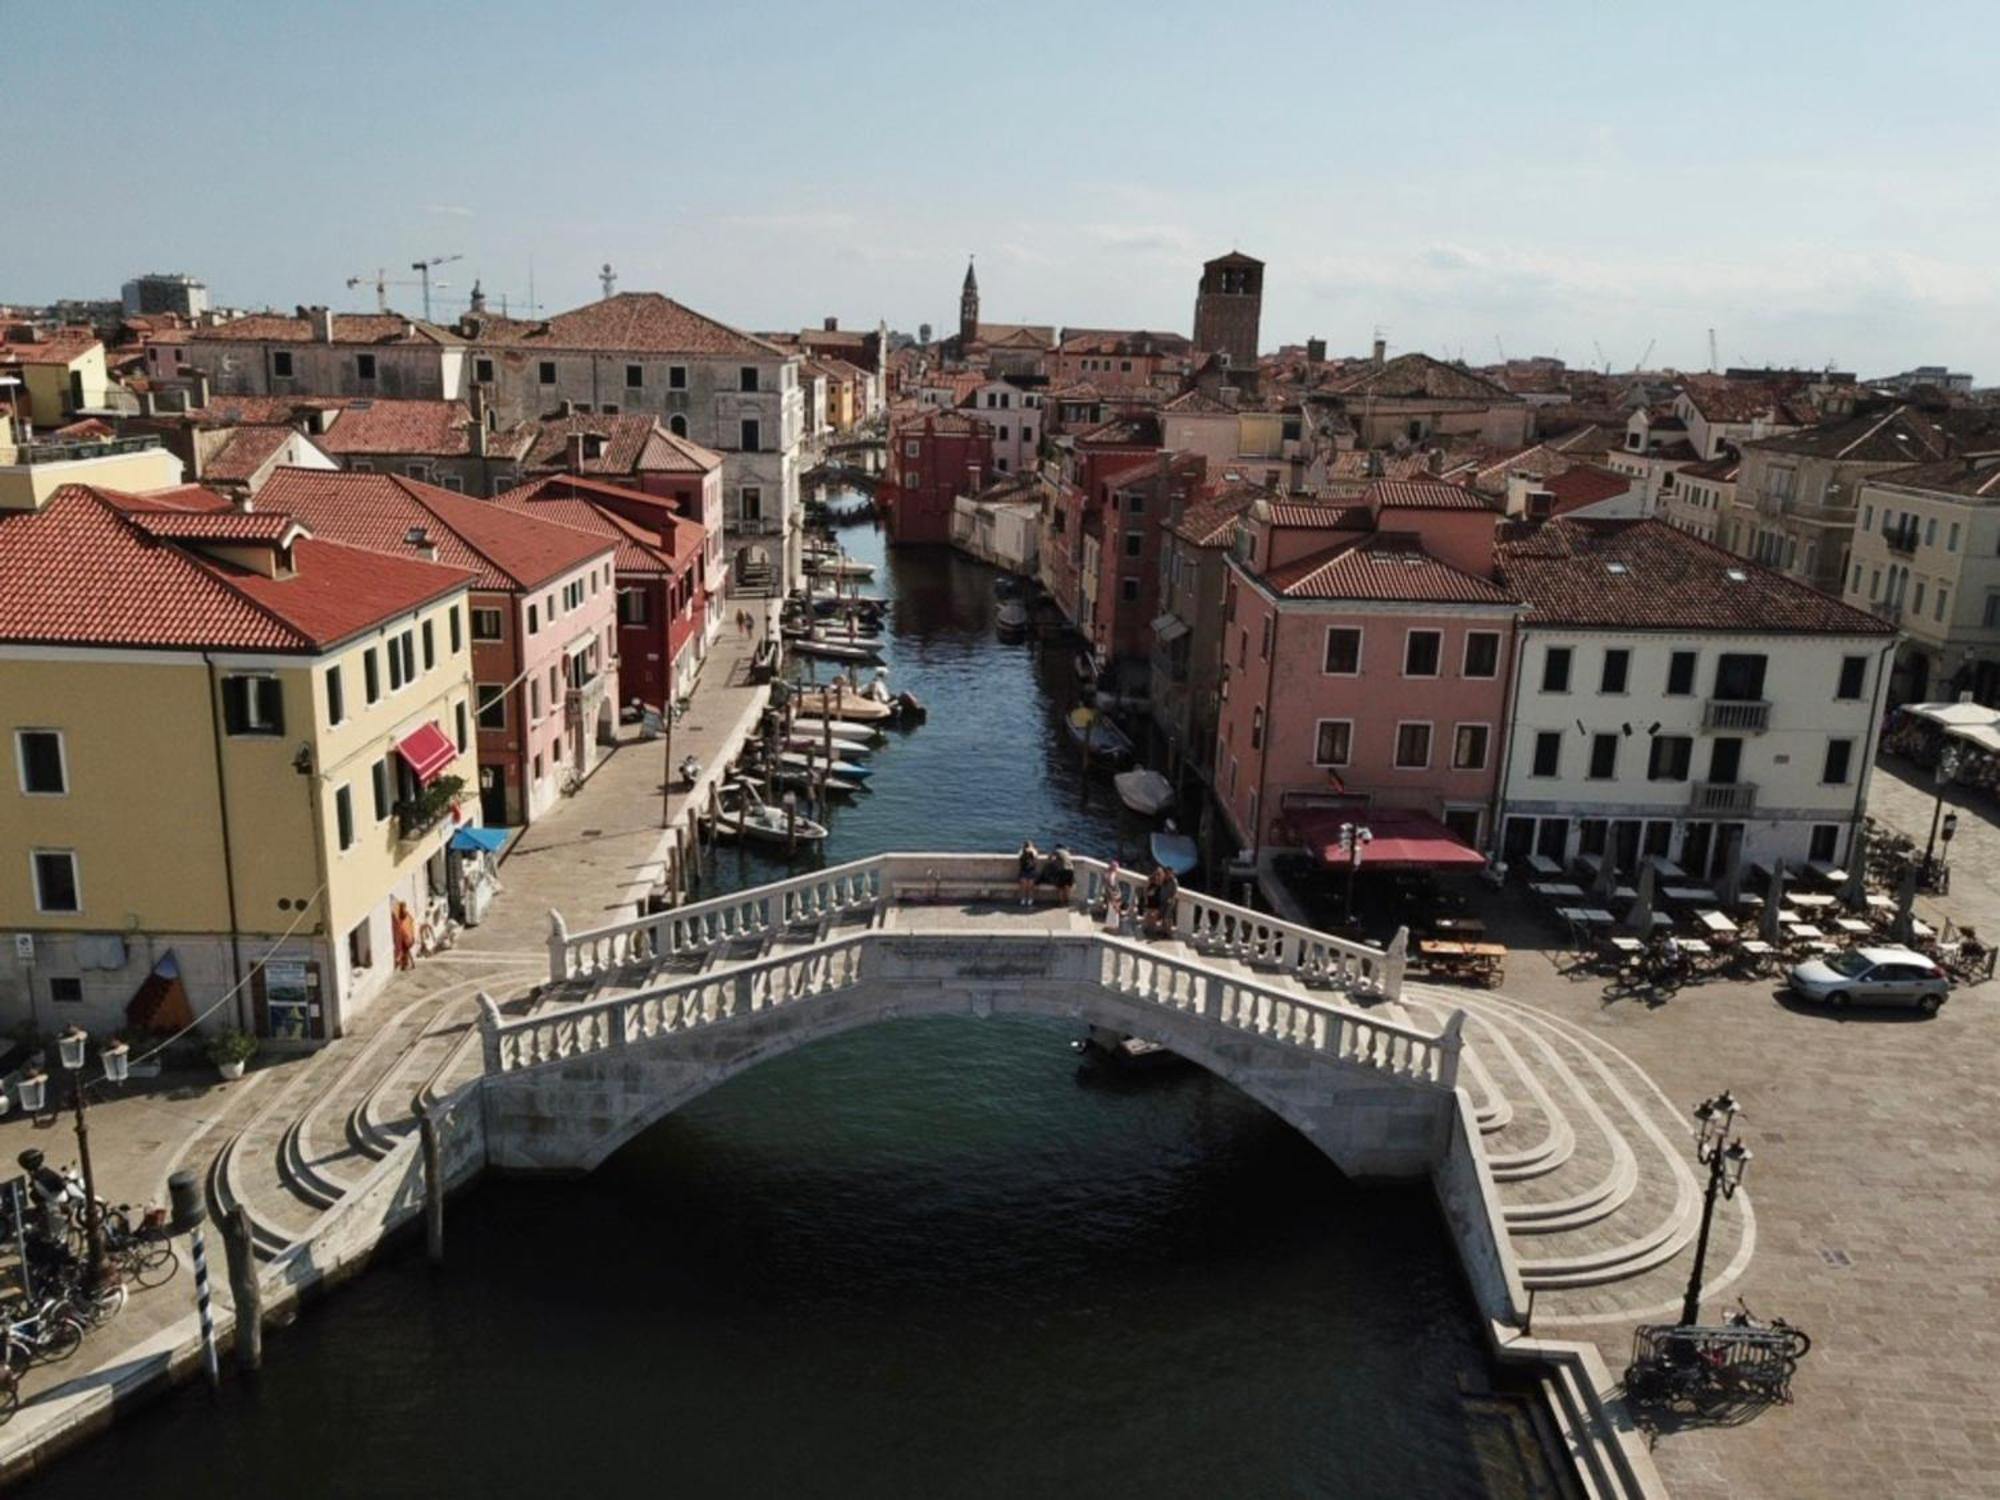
1015 417
1786 796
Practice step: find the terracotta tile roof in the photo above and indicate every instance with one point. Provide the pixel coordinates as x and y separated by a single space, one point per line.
659 550
89 430
212 525
1898 434
1359 463
1584 484
57 348
1412 376
1320 514
435 429
1976 478
503 550
1124 431
1647 575
1739 401
1195 404
1424 494
1591 437
1214 522
228 411
625 323
348 328
633 443
246 451
932 421
1387 567
92 575
1723 468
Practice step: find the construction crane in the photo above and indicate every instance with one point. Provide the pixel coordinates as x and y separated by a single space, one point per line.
1644 357
381 281
1501 347
1602 358
423 269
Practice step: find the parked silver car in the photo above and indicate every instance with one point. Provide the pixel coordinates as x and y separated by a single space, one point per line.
1872 976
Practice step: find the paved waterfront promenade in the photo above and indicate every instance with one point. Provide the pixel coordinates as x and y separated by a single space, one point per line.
1875 1192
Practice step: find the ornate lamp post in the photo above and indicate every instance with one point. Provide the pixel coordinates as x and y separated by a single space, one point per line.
73 1047
1353 839
1726 1158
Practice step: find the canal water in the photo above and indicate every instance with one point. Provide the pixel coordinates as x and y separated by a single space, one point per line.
934 1258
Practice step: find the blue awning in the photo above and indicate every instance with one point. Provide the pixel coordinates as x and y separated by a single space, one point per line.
486 840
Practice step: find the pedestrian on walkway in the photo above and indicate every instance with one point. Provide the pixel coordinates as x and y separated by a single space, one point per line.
1030 861
403 930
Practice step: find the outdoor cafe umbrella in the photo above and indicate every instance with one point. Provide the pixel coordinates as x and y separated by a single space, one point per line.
1769 928
1854 894
1640 916
1903 929
1730 888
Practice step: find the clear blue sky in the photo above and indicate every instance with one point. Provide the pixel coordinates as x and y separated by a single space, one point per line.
1813 179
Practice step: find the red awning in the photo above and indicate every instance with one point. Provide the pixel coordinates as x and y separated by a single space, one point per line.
1402 840
427 750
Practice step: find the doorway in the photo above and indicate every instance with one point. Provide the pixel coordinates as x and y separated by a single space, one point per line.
492 797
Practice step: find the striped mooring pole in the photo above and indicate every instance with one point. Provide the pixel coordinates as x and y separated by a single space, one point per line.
187 1210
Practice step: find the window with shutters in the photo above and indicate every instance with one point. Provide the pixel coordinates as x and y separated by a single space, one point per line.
253 705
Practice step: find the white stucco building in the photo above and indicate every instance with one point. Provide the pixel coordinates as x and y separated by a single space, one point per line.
1671 699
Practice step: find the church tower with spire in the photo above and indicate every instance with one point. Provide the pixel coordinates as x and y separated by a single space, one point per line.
968 308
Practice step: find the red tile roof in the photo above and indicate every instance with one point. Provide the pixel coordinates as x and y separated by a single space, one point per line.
1383 567
91 575
1424 494
246 451
436 429
633 443
225 411
665 547
504 550
57 348
1418 376
1647 575
1584 484
629 322
213 525
348 328
1215 521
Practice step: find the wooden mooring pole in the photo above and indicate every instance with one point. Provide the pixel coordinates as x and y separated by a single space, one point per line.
244 1287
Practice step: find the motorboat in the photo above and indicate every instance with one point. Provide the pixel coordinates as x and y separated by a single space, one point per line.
805 781
1173 850
799 760
849 706
841 567
1144 790
1097 736
751 817
826 650
840 729
835 601
844 749
1011 618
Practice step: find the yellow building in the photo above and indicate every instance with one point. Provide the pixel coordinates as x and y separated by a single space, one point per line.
63 372
233 743
31 472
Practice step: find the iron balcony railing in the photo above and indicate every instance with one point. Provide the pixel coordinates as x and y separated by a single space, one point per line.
62 453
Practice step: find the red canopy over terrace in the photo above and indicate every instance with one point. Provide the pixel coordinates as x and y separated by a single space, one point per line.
1403 840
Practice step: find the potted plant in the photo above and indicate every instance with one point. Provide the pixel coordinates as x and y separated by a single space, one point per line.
229 1049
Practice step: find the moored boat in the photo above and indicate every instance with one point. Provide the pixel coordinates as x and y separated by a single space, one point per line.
1095 733
1144 790
1173 850
1011 618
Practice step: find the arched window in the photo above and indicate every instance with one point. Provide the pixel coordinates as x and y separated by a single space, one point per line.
677 425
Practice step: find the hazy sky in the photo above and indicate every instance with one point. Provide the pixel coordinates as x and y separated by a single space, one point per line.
1815 180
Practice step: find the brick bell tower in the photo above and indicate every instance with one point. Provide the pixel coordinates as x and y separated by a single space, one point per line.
1229 306
968 307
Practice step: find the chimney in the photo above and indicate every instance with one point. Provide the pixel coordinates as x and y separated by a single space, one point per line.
409 329
475 436
573 452
419 538
832 325
322 323
470 326
478 296
1381 353
1315 351
567 409
245 504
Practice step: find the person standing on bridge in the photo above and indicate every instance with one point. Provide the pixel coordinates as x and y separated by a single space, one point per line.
1025 868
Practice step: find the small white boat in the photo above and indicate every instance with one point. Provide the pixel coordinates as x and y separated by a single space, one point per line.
800 739
849 705
772 825
1095 732
826 650
1011 618
1174 851
1144 790
841 567
798 760
842 729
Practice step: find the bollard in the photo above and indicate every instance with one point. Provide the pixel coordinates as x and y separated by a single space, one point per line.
433 1154
187 1214
245 1288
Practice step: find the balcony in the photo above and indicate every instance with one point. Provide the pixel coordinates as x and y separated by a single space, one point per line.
418 815
1722 797
1771 503
63 453
1736 715
1902 540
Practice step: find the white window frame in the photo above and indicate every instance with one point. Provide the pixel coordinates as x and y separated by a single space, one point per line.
1465 657
1430 744
499 615
1411 634
1360 646
21 759
1319 727
1486 749
479 708
35 857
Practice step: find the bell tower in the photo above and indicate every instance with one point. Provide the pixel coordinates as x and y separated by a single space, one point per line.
968 307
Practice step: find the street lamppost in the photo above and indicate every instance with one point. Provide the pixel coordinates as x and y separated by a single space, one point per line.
1947 770
1353 839
1727 1158
73 1046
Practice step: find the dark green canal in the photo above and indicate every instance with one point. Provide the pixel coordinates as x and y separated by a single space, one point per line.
937 1258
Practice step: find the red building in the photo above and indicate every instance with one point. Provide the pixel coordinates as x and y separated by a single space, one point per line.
934 457
666 579
1140 500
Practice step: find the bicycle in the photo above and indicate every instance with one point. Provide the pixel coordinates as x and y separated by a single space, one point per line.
49 1335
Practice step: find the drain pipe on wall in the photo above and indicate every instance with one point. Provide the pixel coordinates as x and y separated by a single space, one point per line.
228 849
1518 638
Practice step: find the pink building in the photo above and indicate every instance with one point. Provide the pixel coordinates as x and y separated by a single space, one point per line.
1366 657
543 620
